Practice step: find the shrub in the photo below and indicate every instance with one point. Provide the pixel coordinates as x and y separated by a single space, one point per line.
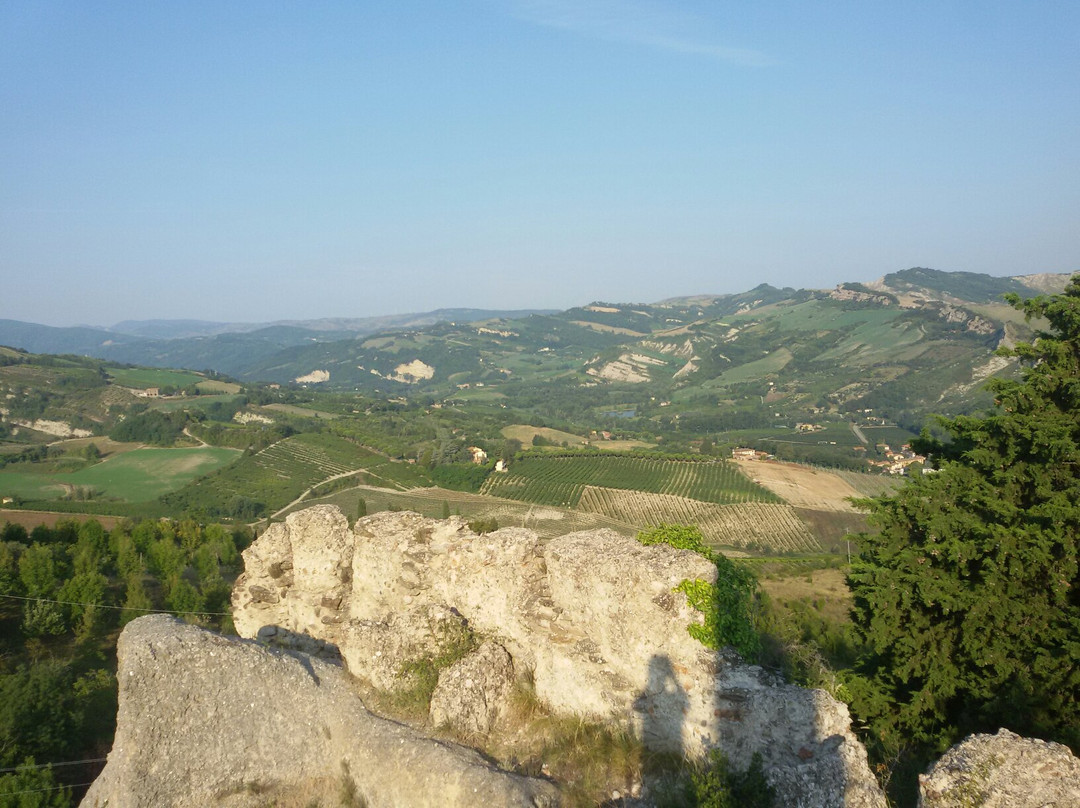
728 606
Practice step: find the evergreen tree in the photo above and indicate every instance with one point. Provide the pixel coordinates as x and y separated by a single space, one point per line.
969 597
136 602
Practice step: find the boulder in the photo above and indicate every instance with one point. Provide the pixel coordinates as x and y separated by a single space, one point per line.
593 617
1002 771
206 720
474 691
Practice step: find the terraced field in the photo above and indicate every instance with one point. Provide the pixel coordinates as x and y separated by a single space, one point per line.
280 473
560 481
547 521
772 525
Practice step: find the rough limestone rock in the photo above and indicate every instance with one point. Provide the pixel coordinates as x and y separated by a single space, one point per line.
592 616
206 720
381 648
473 691
1002 771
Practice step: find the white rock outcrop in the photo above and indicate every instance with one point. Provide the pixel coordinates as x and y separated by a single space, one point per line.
593 617
206 720
1002 771
473 691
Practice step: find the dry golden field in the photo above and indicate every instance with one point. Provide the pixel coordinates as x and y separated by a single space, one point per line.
802 486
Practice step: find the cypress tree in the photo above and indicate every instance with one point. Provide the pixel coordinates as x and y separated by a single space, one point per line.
968 599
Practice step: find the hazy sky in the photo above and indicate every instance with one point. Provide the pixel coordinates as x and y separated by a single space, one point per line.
266 160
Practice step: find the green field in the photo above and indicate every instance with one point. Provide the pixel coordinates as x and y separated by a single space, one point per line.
190 402
303 412
153 377
752 371
821 315
137 476
215 386
561 480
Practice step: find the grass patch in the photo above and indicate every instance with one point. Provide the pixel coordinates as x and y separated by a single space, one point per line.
588 759
190 402
146 474
140 475
422 675
303 412
216 386
526 433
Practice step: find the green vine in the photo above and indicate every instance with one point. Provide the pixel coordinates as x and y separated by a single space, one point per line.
727 606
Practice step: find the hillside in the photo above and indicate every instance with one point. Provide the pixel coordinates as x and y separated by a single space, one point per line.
225 347
840 378
893 350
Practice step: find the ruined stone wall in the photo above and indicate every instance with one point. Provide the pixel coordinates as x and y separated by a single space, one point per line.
593 616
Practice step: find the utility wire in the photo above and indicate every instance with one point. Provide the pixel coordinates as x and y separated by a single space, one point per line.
47 765
40 790
107 606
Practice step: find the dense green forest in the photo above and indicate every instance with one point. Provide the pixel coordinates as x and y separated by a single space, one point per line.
65 593
967 598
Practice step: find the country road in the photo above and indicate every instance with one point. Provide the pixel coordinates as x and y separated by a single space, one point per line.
859 434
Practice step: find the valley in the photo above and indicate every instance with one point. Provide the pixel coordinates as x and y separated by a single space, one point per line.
609 414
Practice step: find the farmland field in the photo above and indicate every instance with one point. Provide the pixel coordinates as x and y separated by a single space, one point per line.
153 377
280 473
892 435
190 402
526 433
548 522
560 481
31 519
557 438
803 486
826 588
773 363
771 525
136 476
216 386
303 412
870 485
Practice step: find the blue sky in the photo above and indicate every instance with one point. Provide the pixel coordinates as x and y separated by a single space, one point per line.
268 160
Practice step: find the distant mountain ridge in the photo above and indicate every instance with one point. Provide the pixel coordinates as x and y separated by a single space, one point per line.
224 347
912 340
355 326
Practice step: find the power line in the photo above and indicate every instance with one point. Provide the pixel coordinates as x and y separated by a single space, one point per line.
107 606
24 767
40 790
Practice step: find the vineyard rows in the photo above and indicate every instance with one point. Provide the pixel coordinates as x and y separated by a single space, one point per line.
739 525
282 472
285 457
546 521
869 485
561 481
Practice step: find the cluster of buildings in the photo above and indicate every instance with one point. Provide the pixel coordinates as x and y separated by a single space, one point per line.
896 462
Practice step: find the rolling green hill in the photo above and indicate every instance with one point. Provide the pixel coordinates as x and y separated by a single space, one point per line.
827 377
